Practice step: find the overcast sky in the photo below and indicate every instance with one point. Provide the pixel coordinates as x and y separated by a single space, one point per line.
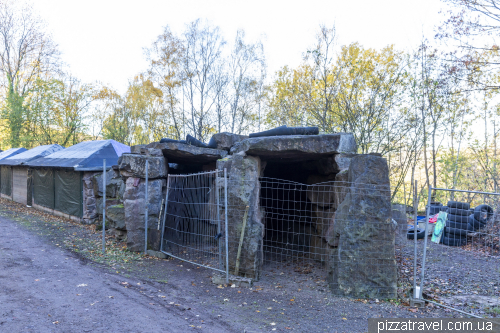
103 40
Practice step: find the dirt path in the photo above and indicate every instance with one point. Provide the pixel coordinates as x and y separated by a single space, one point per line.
54 279
46 289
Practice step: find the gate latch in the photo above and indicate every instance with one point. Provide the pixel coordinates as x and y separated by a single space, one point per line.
219 235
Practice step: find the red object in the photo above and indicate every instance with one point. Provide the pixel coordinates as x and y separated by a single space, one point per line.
433 219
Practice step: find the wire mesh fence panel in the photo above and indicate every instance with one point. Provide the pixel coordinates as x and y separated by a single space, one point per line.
192 226
343 231
461 262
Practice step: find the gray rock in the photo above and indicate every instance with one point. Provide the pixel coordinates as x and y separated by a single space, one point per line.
151 152
136 149
113 182
244 190
399 215
334 164
226 140
135 165
297 147
90 214
177 152
363 264
109 202
322 194
134 204
341 186
322 218
225 163
116 216
120 235
157 254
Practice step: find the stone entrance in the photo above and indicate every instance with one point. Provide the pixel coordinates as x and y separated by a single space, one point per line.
299 197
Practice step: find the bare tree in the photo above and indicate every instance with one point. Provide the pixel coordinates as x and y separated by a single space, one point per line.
246 75
27 53
203 45
166 57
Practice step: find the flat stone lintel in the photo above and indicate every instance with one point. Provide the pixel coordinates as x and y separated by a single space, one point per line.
297 147
177 152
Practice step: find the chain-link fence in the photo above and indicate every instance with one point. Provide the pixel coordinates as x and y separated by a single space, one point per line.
333 235
459 265
193 229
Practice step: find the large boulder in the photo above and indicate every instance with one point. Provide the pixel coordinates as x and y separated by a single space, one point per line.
322 218
109 202
114 184
244 191
341 186
136 149
363 264
134 204
90 214
399 215
297 147
135 166
322 194
177 152
334 164
116 216
226 140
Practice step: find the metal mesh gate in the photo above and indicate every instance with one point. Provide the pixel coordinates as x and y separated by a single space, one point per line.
193 225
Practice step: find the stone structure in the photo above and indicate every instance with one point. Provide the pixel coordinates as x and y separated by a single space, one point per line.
349 227
361 251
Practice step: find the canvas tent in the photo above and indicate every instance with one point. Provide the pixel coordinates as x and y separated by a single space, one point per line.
57 178
6 172
21 185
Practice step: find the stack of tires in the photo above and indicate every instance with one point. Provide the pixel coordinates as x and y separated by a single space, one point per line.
455 232
435 208
480 215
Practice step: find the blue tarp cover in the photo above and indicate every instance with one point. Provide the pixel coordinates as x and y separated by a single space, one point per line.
85 156
30 155
11 152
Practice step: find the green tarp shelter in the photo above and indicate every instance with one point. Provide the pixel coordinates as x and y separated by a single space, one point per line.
57 178
6 171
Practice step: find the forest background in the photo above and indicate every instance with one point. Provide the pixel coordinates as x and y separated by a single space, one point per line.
432 112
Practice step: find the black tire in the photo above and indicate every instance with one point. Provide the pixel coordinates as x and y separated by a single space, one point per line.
475 225
456 225
410 234
454 241
443 209
457 204
458 218
433 210
458 211
456 232
482 213
436 204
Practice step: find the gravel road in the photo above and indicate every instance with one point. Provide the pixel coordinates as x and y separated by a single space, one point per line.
47 289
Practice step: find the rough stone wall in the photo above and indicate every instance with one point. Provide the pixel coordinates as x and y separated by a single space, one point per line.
361 260
90 214
130 216
244 190
134 212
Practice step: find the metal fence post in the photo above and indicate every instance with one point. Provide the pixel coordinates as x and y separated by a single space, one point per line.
218 218
226 222
428 211
164 215
415 224
104 206
146 212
